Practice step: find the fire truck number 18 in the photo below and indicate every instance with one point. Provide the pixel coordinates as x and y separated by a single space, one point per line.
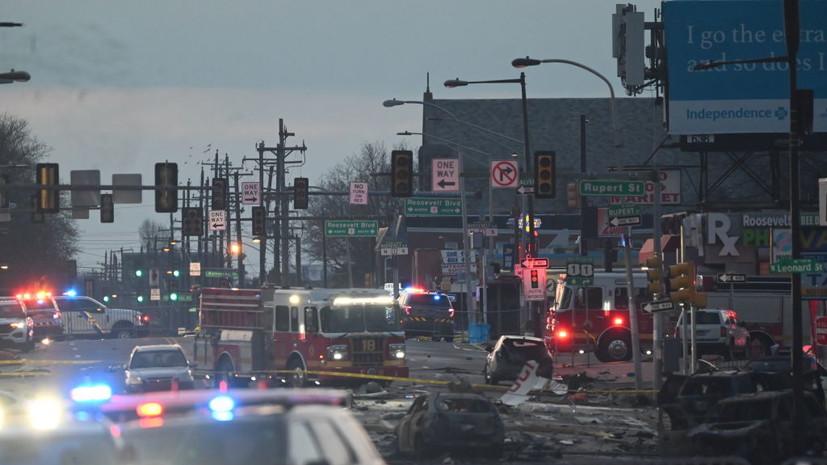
368 345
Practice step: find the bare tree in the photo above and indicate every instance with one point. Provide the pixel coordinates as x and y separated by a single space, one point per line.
370 165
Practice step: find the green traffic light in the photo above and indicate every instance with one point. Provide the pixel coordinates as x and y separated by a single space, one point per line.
140 298
106 298
173 296
176 273
139 273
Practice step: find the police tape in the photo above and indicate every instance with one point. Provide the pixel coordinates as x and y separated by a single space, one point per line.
481 387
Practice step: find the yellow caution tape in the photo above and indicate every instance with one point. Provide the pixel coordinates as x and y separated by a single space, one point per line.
47 362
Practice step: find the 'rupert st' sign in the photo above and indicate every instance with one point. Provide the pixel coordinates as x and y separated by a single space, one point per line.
611 187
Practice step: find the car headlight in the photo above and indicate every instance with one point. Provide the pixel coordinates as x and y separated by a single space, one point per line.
132 378
396 351
337 352
18 324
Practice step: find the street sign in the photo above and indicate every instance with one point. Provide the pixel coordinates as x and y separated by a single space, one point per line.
394 248
731 278
420 206
505 173
796 265
611 187
821 330
195 269
359 193
579 271
623 211
220 273
653 307
445 174
523 190
535 263
351 228
251 193
218 220
625 221
487 229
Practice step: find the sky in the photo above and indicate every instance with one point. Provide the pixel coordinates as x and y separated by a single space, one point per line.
119 85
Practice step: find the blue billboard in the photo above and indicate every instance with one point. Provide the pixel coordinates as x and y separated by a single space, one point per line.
740 97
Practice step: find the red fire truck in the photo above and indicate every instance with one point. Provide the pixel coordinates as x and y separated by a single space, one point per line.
299 336
595 317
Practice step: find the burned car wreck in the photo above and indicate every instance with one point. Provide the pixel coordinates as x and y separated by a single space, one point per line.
509 355
450 422
759 427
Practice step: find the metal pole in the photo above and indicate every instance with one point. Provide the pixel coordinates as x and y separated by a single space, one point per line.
657 318
630 288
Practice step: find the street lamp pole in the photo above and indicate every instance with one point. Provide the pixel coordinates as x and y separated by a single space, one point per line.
531 249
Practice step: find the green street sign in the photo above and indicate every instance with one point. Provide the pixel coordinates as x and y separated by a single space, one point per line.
351 228
796 265
219 273
419 206
623 211
611 187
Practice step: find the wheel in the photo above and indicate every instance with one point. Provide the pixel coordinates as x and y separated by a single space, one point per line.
614 348
121 333
448 339
298 377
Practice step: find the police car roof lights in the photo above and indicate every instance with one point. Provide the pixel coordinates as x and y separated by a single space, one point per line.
91 393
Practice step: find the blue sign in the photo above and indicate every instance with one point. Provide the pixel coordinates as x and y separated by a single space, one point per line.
740 97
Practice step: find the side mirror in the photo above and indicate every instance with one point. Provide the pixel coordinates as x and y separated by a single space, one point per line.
193 364
489 348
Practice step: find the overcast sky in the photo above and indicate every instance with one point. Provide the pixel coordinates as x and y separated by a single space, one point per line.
118 85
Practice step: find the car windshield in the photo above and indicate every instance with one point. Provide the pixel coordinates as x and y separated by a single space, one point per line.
11 310
158 359
745 411
354 318
439 301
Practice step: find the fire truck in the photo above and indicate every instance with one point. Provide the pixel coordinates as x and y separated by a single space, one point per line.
300 336
595 317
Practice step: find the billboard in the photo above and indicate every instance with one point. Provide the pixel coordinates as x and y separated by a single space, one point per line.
740 97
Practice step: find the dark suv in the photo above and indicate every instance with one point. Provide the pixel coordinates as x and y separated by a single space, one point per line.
428 314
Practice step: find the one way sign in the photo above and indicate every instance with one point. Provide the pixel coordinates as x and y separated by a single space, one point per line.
445 174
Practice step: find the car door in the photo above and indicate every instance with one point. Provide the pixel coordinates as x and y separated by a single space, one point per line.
80 316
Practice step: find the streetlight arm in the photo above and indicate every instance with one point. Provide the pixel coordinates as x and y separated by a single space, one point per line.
16 76
523 62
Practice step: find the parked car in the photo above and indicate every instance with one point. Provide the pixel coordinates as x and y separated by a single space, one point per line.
45 315
759 427
453 422
158 367
508 356
245 426
717 331
429 314
16 328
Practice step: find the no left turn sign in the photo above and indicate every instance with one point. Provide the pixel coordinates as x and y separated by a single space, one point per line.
505 173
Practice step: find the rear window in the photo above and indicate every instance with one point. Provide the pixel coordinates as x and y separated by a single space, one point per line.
11 309
705 318
429 300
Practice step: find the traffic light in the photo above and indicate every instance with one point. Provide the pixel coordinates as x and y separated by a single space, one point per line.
37 215
4 191
573 195
655 275
192 221
300 191
544 185
682 285
401 173
166 187
48 200
219 194
259 222
154 278
535 279
107 209
139 272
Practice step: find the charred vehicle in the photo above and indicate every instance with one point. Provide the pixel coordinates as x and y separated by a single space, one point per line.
508 356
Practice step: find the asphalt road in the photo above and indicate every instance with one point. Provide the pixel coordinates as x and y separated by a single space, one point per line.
600 423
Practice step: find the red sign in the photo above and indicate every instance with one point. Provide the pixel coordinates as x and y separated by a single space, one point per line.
821 330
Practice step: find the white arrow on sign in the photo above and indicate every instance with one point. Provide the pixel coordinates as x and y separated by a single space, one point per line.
658 306
525 190
625 221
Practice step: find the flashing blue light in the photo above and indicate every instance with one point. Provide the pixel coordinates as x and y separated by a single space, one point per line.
71 293
223 416
222 404
437 297
94 393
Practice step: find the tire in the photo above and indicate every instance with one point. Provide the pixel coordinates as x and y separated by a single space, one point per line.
122 333
298 377
448 339
616 347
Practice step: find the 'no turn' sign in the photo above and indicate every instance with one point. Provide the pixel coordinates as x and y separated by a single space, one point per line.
505 173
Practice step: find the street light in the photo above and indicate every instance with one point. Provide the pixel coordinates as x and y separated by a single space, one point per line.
14 76
531 249
525 62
